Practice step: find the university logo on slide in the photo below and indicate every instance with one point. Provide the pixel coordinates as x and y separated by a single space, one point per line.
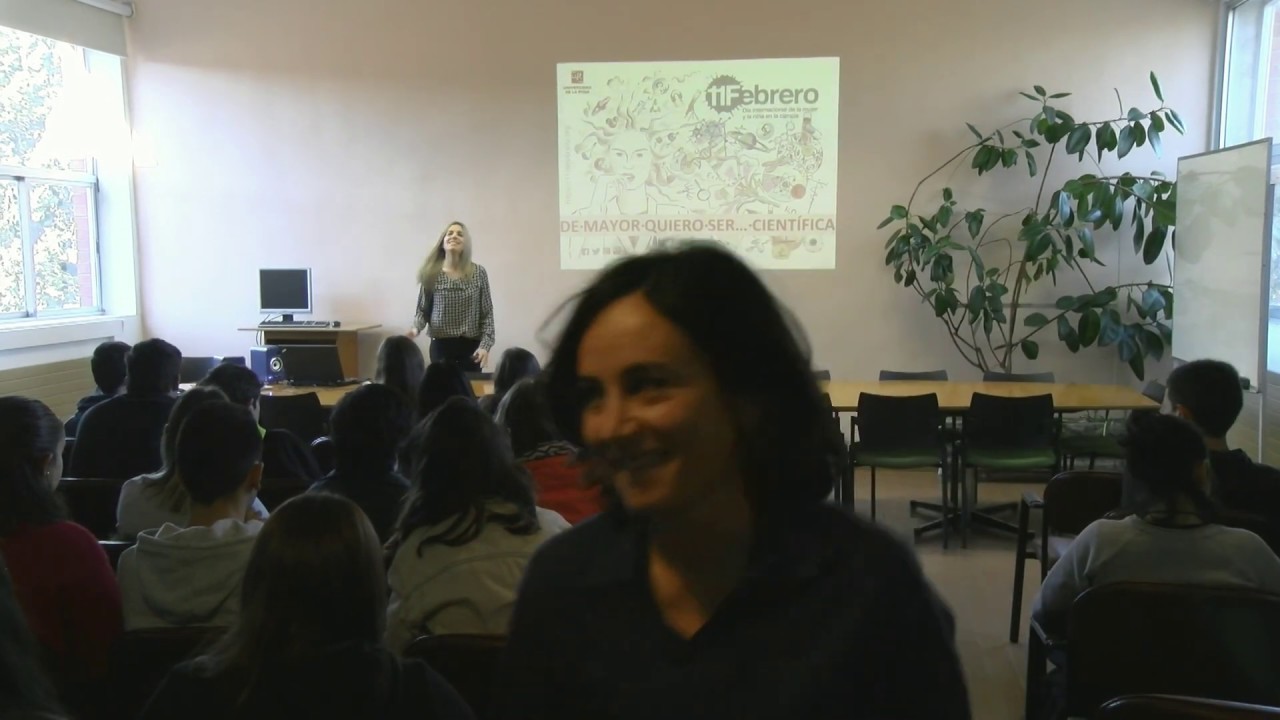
576 77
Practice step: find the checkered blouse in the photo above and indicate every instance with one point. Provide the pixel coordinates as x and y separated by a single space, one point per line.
460 307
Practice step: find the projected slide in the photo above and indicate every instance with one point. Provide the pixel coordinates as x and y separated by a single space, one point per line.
739 151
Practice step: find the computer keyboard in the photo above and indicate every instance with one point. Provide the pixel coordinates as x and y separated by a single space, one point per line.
295 324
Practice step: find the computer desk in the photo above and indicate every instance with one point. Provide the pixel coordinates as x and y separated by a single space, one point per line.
346 339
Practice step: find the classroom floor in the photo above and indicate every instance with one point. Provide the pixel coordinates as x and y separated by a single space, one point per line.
976 582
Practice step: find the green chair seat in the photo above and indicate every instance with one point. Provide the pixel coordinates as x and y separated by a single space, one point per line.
1092 446
1010 458
901 459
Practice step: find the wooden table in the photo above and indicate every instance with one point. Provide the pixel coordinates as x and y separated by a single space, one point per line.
345 339
953 397
329 396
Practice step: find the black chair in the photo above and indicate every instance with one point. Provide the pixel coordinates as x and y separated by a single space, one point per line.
323 451
92 502
468 662
1003 434
843 491
141 658
1071 501
935 375
1145 638
1104 444
195 368
902 433
822 375
114 549
996 376
1173 707
300 414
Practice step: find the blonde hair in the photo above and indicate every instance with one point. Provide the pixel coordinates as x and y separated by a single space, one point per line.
431 267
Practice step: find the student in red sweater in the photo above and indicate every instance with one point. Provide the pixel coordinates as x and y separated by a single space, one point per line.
557 476
61 577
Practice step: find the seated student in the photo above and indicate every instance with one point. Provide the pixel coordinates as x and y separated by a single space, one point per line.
516 365
284 456
107 367
400 365
120 437
1207 393
25 691
468 530
182 576
368 427
309 641
61 577
552 462
152 500
440 382
1171 536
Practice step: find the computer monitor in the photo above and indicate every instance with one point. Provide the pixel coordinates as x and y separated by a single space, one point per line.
285 291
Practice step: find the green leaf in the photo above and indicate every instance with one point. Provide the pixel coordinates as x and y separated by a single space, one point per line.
947 195
979 267
1100 139
973 221
1176 121
1112 329
909 278
1057 96
1030 349
1167 294
1137 365
1152 301
1088 250
1151 343
975 132
1067 334
1166 333
885 223
1064 207
1128 345
1029 96
1155 85
1031 163
944 215
1154 245
1090 325
1139 134
1139 234
1078 140
1157 123
1030 143
899 212
1117 212
1040 90
1035 320
1153 137
977 299
1050 114
1009 157
1126 141
1135 114
1066 302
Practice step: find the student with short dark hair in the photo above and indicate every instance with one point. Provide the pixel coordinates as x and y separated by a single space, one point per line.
241 385
61 577
284 456
308 642
401 366
108 369
120 437
368 428
440 382
1208 394
183 576
516 364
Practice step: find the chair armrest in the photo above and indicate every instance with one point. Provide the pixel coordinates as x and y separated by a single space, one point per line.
1051 642
1032 500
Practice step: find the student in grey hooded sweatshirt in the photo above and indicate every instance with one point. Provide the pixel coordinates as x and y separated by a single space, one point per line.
175 576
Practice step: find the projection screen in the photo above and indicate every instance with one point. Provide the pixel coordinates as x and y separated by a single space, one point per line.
739 151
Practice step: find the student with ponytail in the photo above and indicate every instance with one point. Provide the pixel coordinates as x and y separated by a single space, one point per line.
1167 534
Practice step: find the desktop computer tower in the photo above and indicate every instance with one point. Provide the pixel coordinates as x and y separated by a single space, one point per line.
267 362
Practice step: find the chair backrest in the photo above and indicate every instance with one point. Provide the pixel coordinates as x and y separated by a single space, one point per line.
114 549
1174 707
323 451
887 423
822 375
1039 377
141 658
469 662
301 414
913 375
92 502
1010 422
1154 390
1075 498
1140 638
194 369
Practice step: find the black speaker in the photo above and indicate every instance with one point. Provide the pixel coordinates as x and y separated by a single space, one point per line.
267 362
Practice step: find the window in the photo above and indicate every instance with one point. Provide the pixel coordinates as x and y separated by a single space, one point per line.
49 112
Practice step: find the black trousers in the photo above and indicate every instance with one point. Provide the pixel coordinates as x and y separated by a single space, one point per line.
455 351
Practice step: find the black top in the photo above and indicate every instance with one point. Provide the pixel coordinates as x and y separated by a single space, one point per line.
1248 492
120 437
380 497
82 407
342 685
833 620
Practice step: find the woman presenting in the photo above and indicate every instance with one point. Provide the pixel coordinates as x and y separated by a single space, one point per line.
454 303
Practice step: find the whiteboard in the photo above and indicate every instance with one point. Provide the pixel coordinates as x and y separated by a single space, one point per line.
1222 258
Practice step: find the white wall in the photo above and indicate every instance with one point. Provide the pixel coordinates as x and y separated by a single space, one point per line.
343 135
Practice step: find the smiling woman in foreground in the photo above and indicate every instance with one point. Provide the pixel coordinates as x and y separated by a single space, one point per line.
722 585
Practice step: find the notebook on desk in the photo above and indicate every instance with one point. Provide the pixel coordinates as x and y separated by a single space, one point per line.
314 365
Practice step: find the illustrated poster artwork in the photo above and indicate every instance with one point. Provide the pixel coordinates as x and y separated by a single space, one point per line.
742 152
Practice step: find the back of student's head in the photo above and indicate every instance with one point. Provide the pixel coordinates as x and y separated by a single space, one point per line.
440 382
315 581
108 366
525 413
165 482
240 384
400 365
30 463
515 365
462 462
368 427
1164 463
153 367
218 446
1208 393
